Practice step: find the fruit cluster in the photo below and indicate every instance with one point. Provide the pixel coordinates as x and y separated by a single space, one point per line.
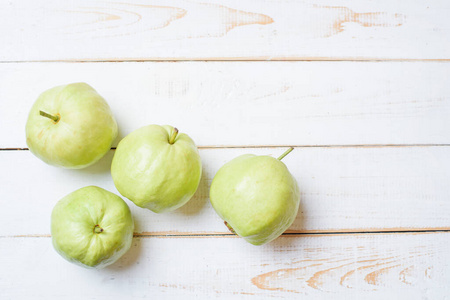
155 167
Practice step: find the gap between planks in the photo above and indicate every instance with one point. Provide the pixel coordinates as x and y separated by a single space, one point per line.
288 233
233 59
286 146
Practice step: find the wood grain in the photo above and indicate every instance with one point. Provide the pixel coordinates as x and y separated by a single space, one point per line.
237 30
231 103
375 266
342 190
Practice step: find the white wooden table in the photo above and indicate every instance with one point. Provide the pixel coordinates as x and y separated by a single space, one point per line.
360 88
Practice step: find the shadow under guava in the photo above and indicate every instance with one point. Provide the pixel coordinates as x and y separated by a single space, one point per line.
200 198
296 231
120 136
131 257
100 167
293 233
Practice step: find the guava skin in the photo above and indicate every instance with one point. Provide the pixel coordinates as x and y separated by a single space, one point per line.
83 134
75 220
153 173
257 196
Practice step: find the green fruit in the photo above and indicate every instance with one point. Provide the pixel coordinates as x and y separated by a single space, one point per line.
92 227
157 168
256 196
70 126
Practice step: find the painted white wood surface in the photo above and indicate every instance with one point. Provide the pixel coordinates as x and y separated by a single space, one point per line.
251 103
343 114
369 266
232 29
343 189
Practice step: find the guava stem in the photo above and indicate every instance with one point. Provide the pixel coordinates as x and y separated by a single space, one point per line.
229 227
173 136
285 153
98 229
44 114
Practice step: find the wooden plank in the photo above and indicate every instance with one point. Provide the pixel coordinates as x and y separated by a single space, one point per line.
378 266
231 103
343 189
237 29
